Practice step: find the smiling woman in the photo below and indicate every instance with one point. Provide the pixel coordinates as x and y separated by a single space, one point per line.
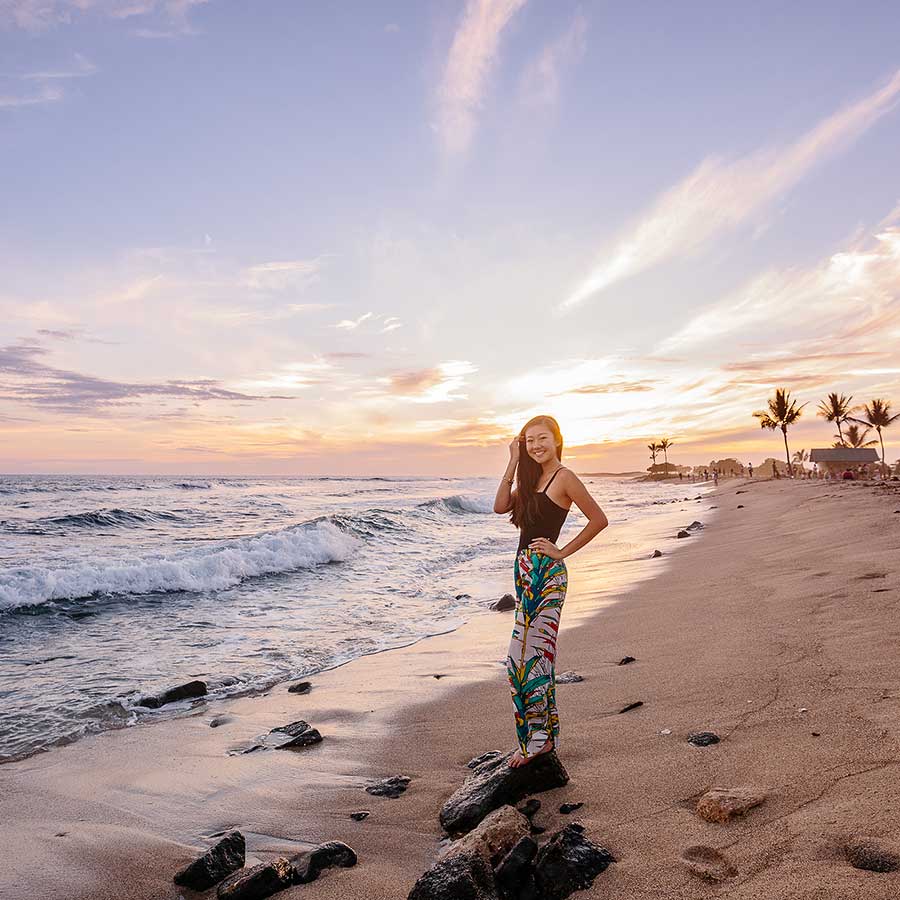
540 575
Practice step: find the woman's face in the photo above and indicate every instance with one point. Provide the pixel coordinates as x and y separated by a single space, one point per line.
539 444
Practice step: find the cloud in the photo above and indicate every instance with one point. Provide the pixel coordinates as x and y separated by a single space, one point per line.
40 15
469 63
278 276
541 80
719 196
615 387
437 384
48 93
383 322
82 68
25 378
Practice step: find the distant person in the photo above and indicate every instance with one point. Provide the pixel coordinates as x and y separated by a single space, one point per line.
750 467
716 477
680 477
545 490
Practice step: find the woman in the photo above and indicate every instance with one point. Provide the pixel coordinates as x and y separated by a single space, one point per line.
545 490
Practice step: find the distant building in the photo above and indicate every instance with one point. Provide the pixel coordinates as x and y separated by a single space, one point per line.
836 459
768 467
728 466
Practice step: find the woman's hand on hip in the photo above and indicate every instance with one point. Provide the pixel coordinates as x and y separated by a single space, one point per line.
548 548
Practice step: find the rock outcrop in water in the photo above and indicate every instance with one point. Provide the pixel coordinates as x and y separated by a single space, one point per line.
182 692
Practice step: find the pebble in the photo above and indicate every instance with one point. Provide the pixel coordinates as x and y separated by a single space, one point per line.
625 660
703 738
391 787
567 808
359 816
721 804
300 687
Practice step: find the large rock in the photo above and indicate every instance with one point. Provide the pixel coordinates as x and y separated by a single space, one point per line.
506 602
462 876
226 857
494 784
391 787
514 876
721 804
182 692
568 862
494 836
293 736
309 865
257 882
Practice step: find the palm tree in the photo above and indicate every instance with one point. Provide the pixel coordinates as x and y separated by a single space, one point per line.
782 412
836 409
801 456
653 451
878 414
664 445
855 438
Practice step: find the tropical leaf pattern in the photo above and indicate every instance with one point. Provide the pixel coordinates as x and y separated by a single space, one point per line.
541 583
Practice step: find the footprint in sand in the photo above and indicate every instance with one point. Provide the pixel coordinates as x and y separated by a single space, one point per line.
708 863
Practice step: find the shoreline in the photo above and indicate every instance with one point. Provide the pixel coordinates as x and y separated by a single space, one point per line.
130 820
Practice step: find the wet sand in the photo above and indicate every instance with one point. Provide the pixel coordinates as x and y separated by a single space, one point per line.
779 620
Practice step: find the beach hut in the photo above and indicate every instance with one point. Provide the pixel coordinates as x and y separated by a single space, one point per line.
836 460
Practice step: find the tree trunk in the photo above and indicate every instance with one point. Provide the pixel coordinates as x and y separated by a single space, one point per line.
880 438
666 455
787 452
841 433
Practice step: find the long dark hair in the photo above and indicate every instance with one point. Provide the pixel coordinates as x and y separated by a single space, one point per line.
525 502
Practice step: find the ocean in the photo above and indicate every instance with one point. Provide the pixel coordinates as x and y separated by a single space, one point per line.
113 588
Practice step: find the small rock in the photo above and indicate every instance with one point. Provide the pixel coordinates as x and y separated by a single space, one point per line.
721 804
666 731
296 735
568 862
872 857
569 678
219 861
391 787
567 808
703 738
182 692
478 760
309 865
631 706
494 836
257 882
740 492
514 875
695 525
625 660
507 601
216 721
300 687
537 829
461 876
530 807
656 554
740 506
462 596
708 863
494 783
359 816
815 734
683 534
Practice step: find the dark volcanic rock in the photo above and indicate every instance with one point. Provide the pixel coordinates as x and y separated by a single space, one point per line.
226 857
569 678
870 856
461 876
740 506
695 526
568 862
494 783
537 829
683 534
359 816
300 687
703 738
507 601
182 692
478 760
391 787
258 882
514 876
631 706
567 808
309 865
297 734
530 807
656 554
625 660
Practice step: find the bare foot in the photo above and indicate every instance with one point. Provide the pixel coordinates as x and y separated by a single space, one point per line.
517 759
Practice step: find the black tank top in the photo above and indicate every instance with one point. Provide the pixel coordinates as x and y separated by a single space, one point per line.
549 521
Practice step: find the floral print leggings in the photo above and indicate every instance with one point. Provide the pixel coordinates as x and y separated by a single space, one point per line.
541 583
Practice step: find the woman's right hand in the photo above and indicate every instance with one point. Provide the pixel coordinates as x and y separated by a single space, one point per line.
515 447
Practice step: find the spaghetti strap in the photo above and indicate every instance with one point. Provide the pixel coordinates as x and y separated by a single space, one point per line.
544 491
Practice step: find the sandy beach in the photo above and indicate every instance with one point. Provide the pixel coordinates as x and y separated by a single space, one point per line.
775 627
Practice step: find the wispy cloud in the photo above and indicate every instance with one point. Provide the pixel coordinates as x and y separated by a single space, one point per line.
39 15
469 62
47 93
278 276
719 196
436 384
26 378
381 321
541 80
82 68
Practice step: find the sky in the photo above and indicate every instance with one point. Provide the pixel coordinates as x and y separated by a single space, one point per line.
279 237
